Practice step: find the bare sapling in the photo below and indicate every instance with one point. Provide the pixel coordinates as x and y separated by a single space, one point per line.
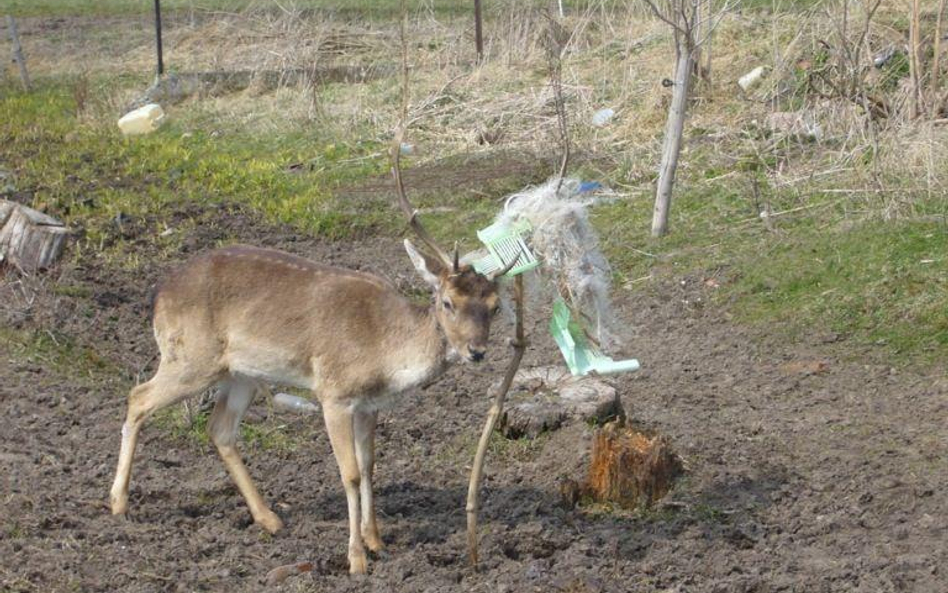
936 98
497 407
556 40
692 28
240 316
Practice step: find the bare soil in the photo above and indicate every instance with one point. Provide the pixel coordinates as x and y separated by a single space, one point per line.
810 466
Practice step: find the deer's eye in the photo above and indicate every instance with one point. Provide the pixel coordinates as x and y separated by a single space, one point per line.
494 310
447 305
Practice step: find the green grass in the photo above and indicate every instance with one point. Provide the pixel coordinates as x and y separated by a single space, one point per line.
883 282
53 350
876 283
88 173
270 435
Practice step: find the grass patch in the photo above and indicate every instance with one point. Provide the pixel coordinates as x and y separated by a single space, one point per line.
88 174
883 282
55 351
875 282
270 435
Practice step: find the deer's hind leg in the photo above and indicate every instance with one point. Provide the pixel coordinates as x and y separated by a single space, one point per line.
232 402
172 383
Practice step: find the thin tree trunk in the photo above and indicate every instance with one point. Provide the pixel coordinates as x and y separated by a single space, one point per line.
673 138
18 52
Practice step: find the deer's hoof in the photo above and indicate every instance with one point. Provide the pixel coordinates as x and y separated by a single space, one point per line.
373 542
358 564
119 504
270 522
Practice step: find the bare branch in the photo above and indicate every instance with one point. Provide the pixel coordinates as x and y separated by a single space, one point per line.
555 61
658 14
715 19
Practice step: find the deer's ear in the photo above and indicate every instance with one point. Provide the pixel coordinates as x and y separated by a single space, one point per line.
428 267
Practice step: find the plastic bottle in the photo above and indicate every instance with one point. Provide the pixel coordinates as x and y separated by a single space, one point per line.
291 403
602 117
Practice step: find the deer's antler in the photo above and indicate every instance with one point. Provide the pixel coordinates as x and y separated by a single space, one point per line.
396 154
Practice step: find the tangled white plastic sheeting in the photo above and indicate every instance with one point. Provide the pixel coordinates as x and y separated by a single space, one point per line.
565 241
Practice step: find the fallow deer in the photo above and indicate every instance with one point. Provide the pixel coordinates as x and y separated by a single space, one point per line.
241 315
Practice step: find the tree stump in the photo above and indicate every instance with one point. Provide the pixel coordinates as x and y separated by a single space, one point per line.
29 239
630 468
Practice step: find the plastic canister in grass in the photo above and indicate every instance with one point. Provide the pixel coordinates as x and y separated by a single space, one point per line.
292 403
143 120
752 78
602 117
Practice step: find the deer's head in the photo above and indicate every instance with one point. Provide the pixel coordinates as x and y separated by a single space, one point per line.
465 301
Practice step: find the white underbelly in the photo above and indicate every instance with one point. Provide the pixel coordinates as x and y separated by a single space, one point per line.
270 365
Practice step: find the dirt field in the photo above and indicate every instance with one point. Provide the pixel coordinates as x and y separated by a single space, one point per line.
810 467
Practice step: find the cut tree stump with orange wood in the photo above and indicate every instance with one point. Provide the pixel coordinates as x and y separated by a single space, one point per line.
630 468
29 239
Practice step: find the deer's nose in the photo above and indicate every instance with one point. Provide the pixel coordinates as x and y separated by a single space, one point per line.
477 355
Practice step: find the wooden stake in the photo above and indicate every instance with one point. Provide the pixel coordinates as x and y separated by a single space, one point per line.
18 53
473 490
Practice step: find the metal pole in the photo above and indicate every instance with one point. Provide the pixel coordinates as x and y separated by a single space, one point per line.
18 52
161 62
478 33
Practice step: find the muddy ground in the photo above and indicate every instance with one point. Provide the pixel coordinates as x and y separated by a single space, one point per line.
811 466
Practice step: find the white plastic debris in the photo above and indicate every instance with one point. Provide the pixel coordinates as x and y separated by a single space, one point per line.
602 117
143 120
291 403
752 78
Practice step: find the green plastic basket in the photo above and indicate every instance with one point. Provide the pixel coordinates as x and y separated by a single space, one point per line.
504 243
582 357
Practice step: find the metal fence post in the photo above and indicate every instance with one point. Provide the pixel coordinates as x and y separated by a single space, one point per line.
161 62
18 52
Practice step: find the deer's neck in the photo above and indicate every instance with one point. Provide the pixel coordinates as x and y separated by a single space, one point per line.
421 359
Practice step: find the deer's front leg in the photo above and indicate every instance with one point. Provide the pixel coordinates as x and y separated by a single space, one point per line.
339 425
364 423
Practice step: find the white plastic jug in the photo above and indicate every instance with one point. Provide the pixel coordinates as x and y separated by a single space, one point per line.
142 120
